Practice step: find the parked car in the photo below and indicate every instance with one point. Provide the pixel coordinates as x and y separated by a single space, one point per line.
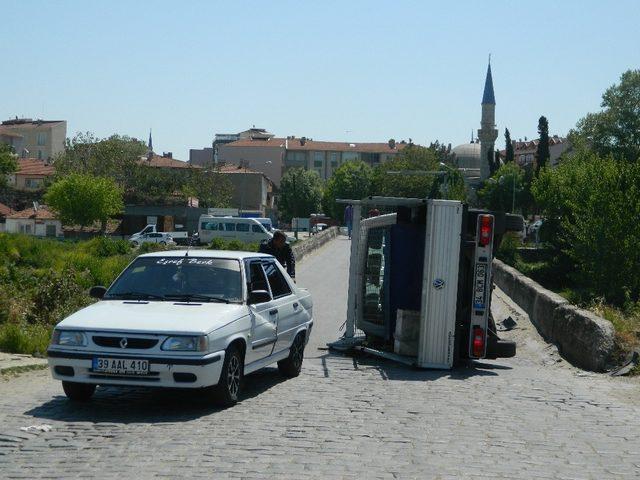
158 237
185 319
248 230
181 237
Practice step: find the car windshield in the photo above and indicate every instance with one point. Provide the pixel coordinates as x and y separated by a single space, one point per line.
179 278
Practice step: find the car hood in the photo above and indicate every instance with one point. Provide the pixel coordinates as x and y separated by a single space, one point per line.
154 317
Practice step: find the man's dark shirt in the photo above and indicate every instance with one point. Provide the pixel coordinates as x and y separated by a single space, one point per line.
284 255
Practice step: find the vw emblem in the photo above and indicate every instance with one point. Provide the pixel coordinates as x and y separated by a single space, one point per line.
438 284
123 342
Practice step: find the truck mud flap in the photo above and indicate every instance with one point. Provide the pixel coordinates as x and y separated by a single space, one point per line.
497 348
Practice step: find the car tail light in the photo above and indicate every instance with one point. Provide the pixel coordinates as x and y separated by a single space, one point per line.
477 346
486 230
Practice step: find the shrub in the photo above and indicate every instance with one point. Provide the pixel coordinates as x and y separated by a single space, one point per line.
235 245
218 244
594 206
151 247
106 247
509 248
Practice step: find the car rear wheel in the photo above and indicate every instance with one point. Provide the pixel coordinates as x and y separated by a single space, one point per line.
78 392
291 366
227 392
163 243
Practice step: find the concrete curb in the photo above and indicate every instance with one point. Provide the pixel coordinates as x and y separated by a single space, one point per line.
300 250
583 338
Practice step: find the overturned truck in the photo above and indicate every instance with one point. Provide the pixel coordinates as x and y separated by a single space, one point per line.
420 281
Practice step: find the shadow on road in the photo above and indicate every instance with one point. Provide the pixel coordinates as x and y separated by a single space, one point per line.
147 405
390 370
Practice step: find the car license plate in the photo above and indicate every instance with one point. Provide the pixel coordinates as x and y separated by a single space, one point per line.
479 292
121 366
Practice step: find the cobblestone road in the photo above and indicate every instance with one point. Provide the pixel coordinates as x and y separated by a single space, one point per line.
528 417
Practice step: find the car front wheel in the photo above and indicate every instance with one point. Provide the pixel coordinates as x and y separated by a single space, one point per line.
227 392
78 392
291 366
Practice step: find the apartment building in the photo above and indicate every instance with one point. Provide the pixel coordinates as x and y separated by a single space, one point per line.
40 139
274 155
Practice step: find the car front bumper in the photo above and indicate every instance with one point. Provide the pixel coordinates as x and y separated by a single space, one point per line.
169 371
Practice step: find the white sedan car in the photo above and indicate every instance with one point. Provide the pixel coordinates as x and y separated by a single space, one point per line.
161 238
185 319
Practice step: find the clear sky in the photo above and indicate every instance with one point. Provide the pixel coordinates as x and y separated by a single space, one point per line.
329 70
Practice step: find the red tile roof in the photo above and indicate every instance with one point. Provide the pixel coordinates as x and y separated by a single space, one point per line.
4 210
43 213
299 144
250 142
166 162
33 166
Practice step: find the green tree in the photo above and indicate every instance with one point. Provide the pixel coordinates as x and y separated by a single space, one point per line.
412 158
592 205
508 145
300 193
616 129
116 157
351 180
8 164
499 191
210 187
542 152
81 199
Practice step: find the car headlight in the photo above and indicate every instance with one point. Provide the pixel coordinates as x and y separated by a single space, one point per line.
69 338
185 344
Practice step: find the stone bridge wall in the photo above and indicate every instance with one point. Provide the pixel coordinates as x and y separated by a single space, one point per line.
583 338
301 249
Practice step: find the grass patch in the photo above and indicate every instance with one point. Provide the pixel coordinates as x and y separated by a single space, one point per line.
25 338
44 280
23 369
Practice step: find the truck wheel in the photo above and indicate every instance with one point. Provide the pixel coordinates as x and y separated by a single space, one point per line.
513 223
78 392
290 367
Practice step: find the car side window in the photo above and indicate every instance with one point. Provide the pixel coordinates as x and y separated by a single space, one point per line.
256 229
279 285
230 227
242 227
257 278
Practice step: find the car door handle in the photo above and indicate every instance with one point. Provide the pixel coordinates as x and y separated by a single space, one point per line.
295 305
273 312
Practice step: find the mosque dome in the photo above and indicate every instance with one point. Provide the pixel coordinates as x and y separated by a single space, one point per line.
467 155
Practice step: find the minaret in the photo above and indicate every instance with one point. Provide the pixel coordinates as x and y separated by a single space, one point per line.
487 132
150 147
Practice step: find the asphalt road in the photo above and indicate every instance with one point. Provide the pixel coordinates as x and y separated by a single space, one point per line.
528 417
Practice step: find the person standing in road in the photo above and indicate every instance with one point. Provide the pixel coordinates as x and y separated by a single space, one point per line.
348 219
279 248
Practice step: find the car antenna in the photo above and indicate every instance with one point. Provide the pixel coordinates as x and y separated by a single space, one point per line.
191 240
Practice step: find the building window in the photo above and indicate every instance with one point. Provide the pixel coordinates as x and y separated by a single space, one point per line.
317 163
296 159
39 154
33 183
348 156
42 139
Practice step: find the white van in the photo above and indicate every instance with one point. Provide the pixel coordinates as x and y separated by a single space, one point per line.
266 223
248 230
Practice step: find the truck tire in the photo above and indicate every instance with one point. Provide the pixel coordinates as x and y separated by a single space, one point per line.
513 223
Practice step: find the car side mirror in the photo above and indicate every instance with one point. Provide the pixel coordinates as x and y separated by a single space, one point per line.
258 296
97 292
